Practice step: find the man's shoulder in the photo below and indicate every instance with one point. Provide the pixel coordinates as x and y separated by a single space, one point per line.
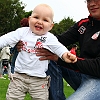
83 21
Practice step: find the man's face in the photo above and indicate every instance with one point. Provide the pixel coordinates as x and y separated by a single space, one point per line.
94 8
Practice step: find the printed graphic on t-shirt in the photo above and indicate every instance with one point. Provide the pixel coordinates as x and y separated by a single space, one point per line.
38 44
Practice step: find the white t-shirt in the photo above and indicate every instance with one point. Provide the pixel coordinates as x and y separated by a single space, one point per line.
27 61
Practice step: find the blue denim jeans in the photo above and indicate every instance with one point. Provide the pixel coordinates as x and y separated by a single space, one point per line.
56 85
15 53
86 87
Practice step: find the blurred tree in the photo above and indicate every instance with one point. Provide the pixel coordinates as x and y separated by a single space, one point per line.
11 12
62 26
27 14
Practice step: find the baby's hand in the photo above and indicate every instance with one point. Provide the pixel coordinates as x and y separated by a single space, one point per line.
69 58
72 57
10 76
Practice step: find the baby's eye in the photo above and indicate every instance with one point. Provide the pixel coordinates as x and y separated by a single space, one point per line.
36 17
45 20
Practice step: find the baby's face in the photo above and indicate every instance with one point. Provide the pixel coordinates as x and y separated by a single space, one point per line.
40 21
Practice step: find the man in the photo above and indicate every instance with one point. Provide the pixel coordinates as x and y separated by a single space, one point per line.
86 32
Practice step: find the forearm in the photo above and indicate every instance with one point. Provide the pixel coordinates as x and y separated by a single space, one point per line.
87 66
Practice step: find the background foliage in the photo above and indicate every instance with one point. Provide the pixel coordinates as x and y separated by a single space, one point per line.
11 12
62 26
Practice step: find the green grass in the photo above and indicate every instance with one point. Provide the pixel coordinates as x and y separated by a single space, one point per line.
67 89
4 85
3 88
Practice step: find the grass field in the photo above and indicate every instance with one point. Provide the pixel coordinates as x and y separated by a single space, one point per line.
67 90
4 85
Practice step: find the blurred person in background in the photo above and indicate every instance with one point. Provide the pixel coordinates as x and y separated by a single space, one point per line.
5 65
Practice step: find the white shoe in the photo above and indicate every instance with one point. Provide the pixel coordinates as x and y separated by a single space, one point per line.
68 85
5 74
2 77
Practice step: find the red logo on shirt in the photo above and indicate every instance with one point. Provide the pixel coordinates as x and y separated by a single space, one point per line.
95 36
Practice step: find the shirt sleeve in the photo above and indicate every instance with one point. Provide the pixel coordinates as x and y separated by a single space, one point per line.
11 38
55 46
86 66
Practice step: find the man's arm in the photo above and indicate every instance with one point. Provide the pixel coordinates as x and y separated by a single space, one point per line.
86 66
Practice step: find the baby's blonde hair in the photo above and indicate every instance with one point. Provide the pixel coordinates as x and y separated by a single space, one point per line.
45 5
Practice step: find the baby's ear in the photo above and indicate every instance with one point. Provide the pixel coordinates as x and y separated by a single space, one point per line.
51 26
29 18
